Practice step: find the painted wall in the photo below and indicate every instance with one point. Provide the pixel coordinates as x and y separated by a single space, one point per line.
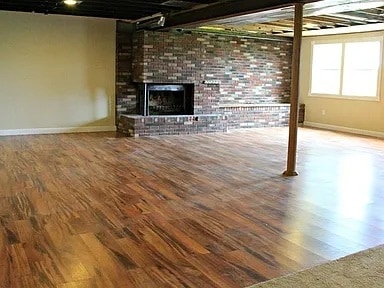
366 117
56 72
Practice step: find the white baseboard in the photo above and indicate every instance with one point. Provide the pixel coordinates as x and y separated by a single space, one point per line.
34 131
345 129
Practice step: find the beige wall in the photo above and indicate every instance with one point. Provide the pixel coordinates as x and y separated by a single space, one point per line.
56 71
352 114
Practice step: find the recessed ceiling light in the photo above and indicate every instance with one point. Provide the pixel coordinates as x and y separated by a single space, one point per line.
71 2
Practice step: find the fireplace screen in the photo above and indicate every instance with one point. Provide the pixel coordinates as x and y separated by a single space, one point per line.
165 99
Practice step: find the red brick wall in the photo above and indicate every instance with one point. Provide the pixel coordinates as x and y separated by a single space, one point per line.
125 90
250 70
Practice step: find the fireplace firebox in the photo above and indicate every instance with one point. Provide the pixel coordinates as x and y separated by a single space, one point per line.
165 99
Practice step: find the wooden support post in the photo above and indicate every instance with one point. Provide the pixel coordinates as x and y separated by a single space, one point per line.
293 119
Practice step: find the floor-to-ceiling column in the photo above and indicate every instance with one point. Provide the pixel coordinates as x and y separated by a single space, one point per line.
293 119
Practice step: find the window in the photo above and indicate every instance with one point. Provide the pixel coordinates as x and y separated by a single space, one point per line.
346 69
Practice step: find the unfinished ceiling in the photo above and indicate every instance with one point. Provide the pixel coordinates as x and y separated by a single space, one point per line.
320 15
116 9
245 16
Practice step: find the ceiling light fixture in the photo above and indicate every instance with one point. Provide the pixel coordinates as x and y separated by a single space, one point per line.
71 2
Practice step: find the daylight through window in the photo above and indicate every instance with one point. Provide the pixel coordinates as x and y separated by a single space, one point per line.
348 69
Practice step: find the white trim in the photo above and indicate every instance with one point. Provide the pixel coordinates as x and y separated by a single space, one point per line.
345 129
354 98
340 30
34 131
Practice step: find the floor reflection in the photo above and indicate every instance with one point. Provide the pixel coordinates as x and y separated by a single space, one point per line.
354 185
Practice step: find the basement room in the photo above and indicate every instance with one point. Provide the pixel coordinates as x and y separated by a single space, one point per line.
196 143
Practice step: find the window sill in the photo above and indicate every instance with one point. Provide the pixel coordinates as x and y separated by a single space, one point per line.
354 98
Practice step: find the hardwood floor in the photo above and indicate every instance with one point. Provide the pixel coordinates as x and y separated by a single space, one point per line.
94 210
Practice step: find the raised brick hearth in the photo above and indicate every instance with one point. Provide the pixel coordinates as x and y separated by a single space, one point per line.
245 79
256 115
137 125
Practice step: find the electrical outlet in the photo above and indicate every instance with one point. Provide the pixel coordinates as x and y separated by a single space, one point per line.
323 112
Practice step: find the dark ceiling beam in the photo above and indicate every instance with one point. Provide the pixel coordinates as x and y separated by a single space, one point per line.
97 5
94 12
117 9
95 9
225 9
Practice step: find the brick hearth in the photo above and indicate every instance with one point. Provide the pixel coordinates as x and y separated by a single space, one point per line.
137 126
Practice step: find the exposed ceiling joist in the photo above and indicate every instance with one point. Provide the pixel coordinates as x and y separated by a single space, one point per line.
318 15
225 9
116 9
367 16
253 16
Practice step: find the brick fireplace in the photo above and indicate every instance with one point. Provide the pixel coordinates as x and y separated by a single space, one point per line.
238 82
165 99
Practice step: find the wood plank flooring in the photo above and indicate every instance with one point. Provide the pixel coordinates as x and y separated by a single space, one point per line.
95 210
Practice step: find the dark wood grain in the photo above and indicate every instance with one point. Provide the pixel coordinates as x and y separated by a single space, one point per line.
96 210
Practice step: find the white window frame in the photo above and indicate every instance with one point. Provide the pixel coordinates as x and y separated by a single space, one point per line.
343 42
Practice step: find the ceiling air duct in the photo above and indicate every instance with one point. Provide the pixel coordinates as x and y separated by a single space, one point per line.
151 22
